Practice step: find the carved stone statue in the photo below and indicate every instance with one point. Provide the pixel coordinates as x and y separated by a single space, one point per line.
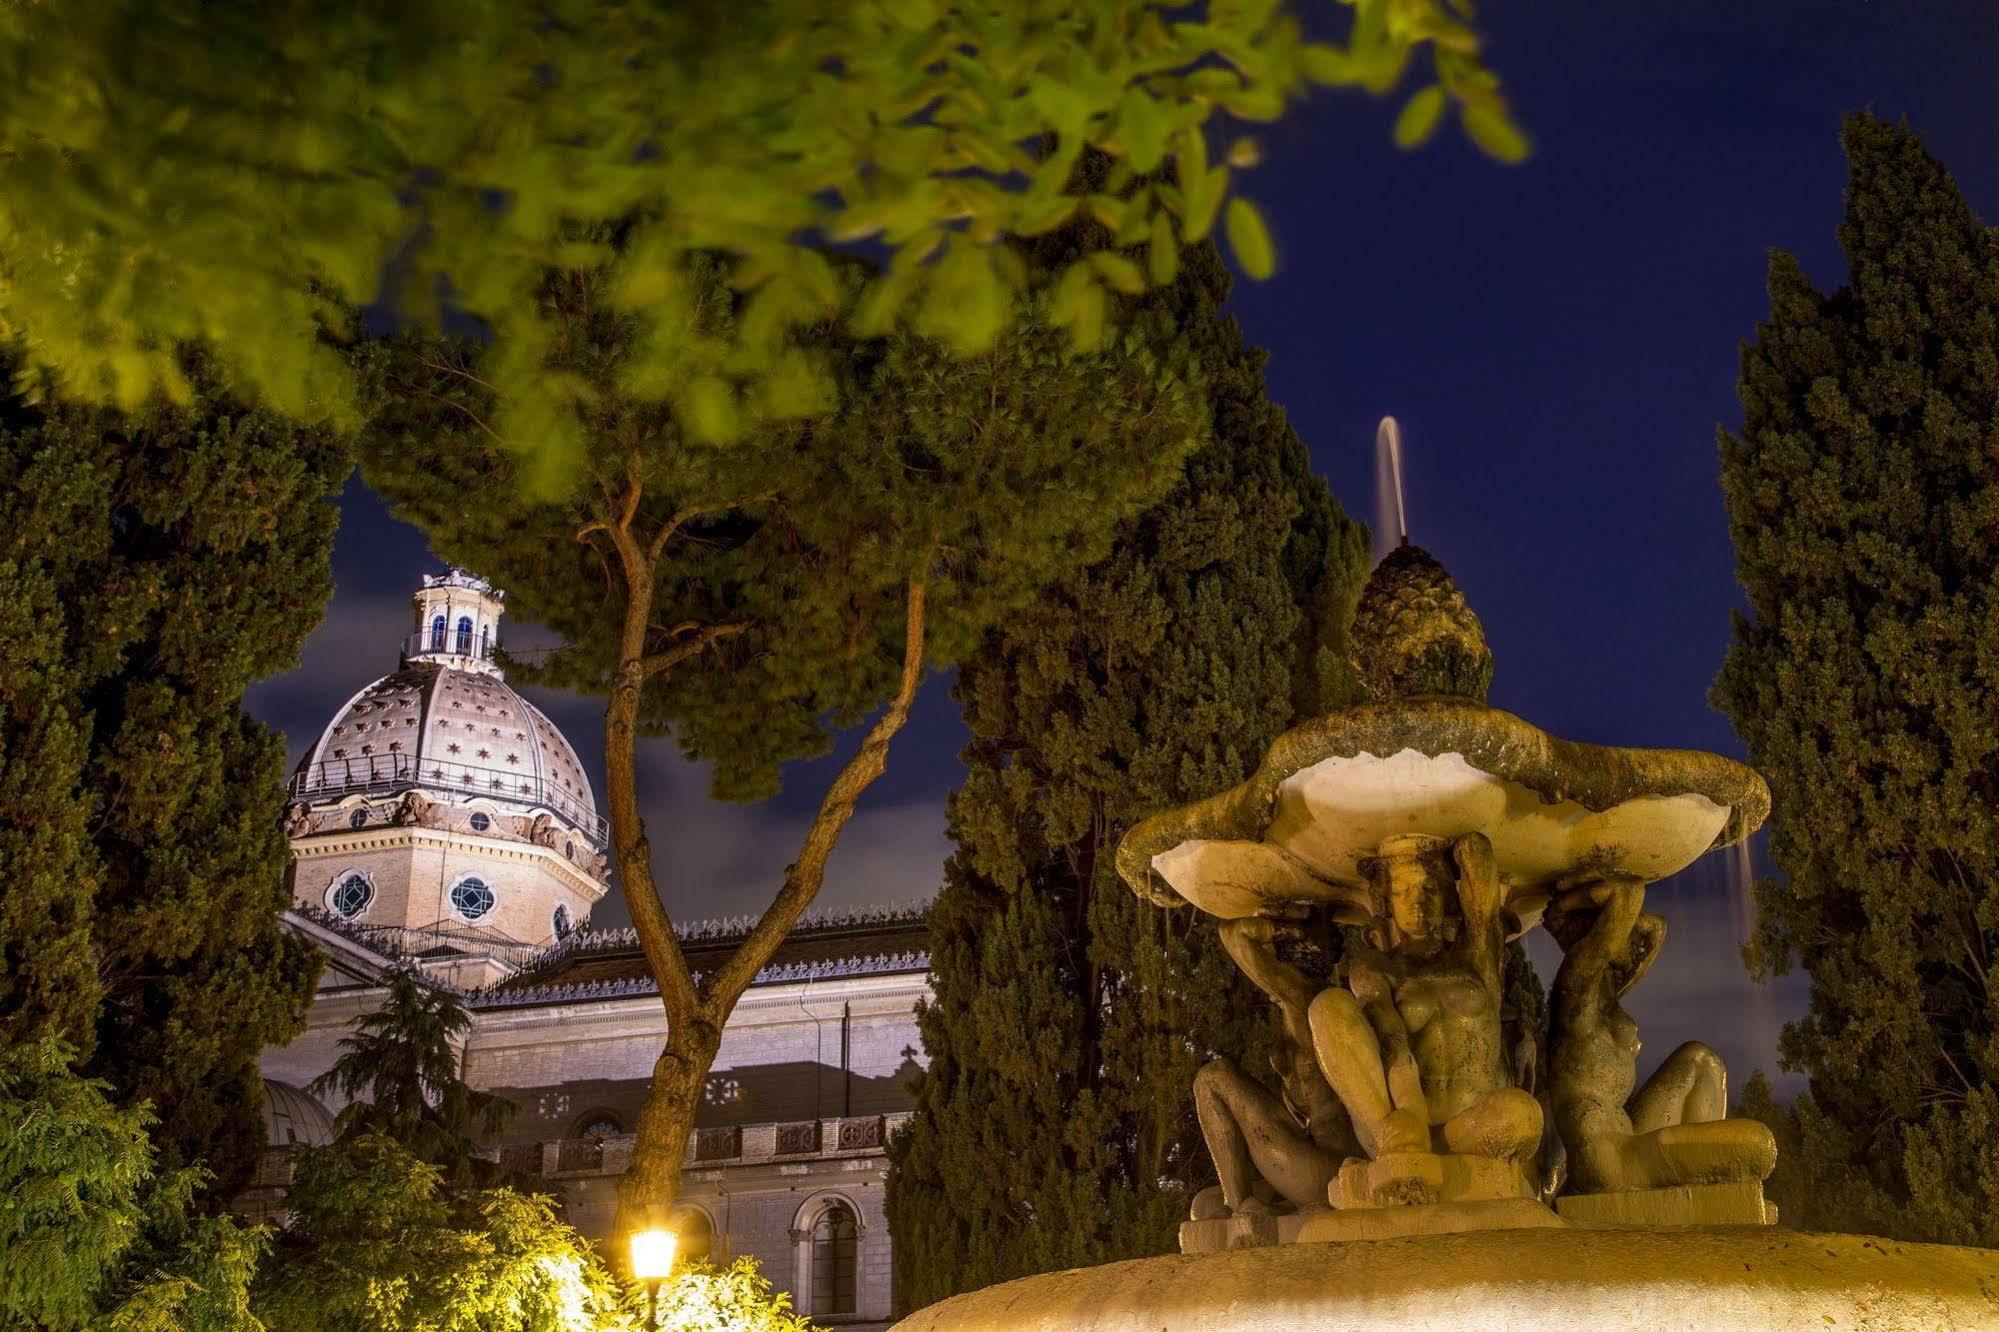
1673 1131
542 831
1414 1045
298 819
413 809
1271 1151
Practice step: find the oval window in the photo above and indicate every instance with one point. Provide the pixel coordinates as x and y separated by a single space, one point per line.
480 821
561 921
471 898
352 896
359 818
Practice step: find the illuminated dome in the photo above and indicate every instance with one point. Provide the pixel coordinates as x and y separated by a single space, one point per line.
446 725
292 1118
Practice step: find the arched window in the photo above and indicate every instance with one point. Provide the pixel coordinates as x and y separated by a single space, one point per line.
437 634
561 921
835 1250
351 896
471 898
597 1126
464 648
697 1235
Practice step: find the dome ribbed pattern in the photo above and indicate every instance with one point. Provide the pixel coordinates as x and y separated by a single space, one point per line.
1414 634
454 733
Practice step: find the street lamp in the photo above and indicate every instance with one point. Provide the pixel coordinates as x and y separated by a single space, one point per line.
652 1262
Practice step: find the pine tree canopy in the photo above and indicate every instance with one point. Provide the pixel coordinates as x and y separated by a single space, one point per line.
1055 1125
1863 491
178 171
398 1072
986 475
151 568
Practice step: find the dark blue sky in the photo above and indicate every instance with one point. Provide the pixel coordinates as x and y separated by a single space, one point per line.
1559 341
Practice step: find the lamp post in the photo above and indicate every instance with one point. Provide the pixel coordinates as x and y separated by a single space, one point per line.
652 1262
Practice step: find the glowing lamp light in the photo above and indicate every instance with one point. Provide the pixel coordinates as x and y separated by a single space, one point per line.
652 1254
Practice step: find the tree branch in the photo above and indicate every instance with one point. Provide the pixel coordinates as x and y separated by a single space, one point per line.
667 658
803 878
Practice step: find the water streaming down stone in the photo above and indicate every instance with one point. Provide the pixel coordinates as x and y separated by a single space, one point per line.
1391 514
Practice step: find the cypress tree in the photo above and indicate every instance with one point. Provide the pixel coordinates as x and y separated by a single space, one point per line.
1055 1126
1863 491
151 568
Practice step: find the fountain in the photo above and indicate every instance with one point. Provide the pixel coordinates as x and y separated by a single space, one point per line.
1428 1156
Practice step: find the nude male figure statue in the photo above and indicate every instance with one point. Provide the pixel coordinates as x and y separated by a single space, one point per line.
1673 1131
1270 1152
1414 1045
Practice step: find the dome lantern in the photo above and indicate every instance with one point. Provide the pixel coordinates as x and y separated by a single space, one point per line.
457 622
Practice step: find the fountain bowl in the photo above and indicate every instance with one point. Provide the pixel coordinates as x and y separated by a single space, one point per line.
1699 1279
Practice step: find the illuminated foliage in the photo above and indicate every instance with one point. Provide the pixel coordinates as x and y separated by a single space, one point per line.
1054 1124
92 1236
1863 490
151 568
236 174
736 1298
376 1243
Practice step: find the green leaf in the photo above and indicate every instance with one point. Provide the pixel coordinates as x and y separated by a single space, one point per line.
1326 65
1143 126
1250 239
1162 252
710 407
1121 273
1079 307
1495 132
1420 117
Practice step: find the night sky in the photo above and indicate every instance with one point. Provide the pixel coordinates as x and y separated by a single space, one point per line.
1559 342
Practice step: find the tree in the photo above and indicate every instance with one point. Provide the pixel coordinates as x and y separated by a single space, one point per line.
377 1243
181 172
1863 494
1054 1126
736 1298
399 1072
751 600
92 1234
152 567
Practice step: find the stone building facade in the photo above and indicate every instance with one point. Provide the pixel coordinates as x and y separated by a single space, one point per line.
441 822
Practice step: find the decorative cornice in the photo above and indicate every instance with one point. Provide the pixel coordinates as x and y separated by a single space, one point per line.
724 929
639 987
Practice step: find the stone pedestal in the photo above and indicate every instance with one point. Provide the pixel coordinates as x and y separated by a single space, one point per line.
1738 1204
1401 1179
1444 1218
1245 1232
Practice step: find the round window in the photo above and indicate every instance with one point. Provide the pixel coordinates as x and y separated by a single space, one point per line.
471 898
481 821
359 818
352 895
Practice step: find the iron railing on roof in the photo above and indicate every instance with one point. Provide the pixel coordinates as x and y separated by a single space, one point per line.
390 774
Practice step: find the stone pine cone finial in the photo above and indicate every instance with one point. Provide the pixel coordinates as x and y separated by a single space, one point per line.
1414 634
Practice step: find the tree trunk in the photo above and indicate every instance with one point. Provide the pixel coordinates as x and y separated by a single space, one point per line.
696 1014
666 1122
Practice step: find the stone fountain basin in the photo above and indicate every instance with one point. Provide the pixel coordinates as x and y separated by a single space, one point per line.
1331 789
1693 1279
